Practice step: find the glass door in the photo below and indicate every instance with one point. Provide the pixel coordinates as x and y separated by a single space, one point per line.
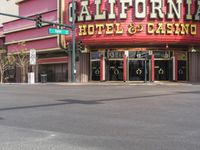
116 70
182 70
114 65
163 70
137 65
163 65
137 70
182 65
95 70
95 65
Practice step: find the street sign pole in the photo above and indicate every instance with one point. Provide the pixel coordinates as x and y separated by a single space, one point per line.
73 57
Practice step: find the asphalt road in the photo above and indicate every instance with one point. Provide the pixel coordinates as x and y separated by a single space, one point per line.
89 117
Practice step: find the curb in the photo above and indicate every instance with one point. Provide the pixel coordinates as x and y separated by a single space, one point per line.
156 83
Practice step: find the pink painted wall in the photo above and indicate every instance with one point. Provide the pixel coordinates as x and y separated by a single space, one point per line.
48 10
32 7
28 34
38 45
1 42
1 31
1 38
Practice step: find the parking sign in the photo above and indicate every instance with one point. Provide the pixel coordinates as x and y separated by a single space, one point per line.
32 57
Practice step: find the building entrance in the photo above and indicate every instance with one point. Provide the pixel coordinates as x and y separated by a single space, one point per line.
137 66
163 66
159 65
114 65
163 70
182 70
115 69
54 72
137 70
95 65
182 65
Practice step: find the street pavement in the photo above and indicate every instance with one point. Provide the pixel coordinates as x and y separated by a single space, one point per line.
99 117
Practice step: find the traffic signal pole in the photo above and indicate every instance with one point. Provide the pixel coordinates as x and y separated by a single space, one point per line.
34 19
73 56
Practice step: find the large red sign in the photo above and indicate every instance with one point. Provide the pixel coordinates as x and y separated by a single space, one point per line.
129 22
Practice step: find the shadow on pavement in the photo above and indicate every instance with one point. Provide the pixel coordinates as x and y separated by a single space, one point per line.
93 102
67 102
190 92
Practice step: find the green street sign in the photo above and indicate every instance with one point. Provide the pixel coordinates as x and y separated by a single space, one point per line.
58 31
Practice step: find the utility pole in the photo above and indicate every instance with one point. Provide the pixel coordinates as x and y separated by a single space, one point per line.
73 56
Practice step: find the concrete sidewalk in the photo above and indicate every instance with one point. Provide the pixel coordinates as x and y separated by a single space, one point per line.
121 83
112 83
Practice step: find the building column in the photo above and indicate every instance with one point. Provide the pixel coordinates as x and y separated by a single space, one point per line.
175 68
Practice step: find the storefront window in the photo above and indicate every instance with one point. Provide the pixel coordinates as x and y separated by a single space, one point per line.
137 54
95 55
113 54
162 54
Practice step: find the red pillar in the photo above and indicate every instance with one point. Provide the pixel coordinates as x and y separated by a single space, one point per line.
124 68
152 68
101 68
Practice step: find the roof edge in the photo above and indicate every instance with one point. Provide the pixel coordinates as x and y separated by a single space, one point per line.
19 1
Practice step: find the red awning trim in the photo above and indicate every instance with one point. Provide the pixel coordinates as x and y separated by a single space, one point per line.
52 60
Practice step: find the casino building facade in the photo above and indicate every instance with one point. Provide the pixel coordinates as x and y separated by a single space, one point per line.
138 40
121 40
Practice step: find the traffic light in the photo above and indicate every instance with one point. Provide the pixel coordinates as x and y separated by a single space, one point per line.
80 46
38 21
68 46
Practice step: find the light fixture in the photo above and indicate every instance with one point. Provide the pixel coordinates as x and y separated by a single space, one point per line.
192 49
167 46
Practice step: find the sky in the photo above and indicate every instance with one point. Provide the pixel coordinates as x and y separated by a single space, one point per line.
8 7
